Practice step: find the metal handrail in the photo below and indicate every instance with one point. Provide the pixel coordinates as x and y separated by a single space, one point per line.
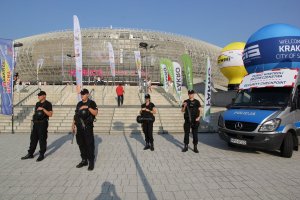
203 100
63 88
63 100
92 94
23 88
103 93
163 131
26 98
140 97
61 96
167 95
110 129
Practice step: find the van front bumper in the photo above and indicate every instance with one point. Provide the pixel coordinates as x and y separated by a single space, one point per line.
269 141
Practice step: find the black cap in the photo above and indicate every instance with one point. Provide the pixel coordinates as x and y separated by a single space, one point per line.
147 96
191 92
84 91
41 93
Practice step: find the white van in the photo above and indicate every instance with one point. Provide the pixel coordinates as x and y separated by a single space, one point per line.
265 113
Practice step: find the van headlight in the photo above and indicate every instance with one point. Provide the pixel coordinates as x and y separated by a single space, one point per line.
221 122
270 125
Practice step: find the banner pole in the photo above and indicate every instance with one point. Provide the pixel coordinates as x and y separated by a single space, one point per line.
78 55
12 107
12 120
207 95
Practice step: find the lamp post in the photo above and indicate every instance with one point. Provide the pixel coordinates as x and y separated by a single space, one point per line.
62 64
15 45
38 67
71 56
145 45
152 46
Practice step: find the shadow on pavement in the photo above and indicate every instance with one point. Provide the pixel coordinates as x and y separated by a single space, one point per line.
108 191
136 134
213 140
170 138
140 171
98 140
118 126
134 127
56 144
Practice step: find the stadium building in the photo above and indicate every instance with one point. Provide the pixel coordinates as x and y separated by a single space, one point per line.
49 57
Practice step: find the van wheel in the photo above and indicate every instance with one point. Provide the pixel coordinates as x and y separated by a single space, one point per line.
286 149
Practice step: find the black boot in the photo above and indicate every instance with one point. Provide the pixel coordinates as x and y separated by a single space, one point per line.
91 165
40 158
147 146
152 147
185 148
82 163
28 156
195 149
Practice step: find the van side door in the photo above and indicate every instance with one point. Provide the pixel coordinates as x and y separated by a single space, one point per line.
296 104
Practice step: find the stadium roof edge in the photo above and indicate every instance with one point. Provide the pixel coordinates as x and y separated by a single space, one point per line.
125 29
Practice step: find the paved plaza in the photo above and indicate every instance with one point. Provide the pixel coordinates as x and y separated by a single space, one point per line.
123 170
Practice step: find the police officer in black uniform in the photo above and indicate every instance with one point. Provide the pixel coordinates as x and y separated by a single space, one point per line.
85 113
191 108
147 112
39 133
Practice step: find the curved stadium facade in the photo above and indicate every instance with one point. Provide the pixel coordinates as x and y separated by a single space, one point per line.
56 50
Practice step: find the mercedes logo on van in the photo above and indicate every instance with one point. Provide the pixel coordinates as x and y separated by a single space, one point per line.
238 126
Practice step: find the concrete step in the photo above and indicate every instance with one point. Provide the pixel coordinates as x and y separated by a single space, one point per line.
5 121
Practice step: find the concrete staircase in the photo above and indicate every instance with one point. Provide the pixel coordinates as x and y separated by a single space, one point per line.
111 119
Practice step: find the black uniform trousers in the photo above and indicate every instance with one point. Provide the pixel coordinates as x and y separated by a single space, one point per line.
86 142
39 134
187 128
148 131
120 100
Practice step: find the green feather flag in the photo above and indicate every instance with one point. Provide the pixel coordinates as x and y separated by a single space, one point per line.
188 70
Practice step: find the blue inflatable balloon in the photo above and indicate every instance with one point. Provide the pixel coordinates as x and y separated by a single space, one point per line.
272 47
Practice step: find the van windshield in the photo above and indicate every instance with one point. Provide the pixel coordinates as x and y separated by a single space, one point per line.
263 97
